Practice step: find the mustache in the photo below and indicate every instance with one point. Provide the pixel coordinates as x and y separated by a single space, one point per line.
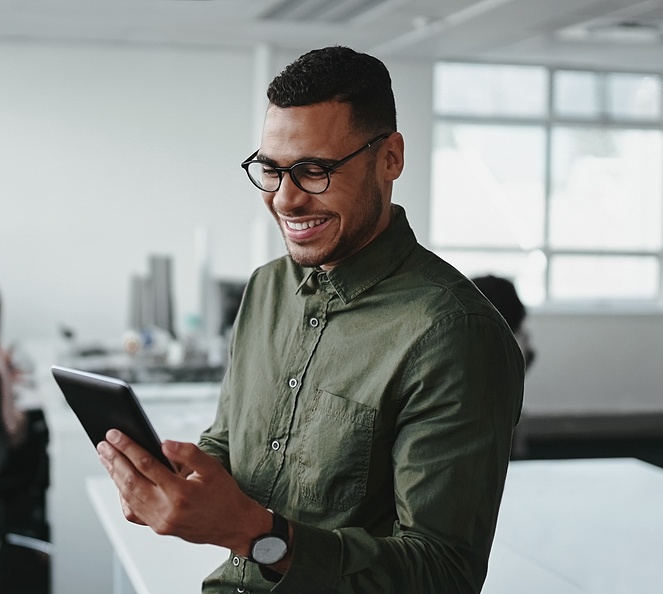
303 211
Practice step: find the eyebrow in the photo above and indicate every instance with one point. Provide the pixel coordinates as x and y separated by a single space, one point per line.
273 163
265 160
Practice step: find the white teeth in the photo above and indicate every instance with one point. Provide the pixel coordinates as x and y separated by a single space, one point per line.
304 225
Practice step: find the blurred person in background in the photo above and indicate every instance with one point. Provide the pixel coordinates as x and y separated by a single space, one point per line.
24 461
502 293
14 420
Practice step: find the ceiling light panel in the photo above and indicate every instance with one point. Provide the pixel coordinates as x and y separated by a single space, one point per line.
320 11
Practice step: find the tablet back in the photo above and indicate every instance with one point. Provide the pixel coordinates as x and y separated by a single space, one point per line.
102 403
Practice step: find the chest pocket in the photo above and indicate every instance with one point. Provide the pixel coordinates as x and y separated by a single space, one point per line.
336 451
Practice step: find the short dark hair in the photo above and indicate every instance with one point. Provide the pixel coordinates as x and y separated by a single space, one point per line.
339 74
502 293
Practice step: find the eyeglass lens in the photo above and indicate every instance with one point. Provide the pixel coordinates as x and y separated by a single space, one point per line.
310 177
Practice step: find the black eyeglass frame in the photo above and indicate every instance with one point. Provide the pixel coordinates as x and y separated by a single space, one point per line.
328 169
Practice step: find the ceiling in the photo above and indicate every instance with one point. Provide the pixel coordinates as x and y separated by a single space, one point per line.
612 34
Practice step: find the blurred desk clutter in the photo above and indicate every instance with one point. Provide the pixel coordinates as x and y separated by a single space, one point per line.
605 434
145 368
151 349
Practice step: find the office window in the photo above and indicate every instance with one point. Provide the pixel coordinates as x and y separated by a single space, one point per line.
478 89
552 178
606 189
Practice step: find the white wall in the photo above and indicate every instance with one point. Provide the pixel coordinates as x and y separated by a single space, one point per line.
596 362
108 154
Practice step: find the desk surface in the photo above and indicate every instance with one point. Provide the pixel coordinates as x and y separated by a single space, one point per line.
597 525
565 527
153 563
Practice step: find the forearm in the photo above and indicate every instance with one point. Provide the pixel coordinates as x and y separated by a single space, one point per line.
350 561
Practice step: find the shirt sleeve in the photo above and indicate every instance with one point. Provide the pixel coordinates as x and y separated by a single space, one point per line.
461 399
214 440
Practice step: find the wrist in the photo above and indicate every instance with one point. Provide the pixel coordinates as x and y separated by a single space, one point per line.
259 521
271 548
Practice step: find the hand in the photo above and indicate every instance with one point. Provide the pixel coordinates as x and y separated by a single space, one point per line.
12 419
201 504
6 367
6 356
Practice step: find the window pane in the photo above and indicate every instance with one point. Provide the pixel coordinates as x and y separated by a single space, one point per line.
488 186
604 277
526 270
634 96
576 94
606 189
480 89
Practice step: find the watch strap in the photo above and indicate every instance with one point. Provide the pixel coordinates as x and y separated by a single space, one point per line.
280 529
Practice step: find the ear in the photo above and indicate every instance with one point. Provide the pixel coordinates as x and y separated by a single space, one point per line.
394 159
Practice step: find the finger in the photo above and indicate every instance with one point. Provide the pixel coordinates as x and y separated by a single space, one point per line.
133 486
129 513
146 464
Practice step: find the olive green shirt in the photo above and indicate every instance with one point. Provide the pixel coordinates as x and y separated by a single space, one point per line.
372 405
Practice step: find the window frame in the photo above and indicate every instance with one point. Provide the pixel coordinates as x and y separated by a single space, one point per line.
548 123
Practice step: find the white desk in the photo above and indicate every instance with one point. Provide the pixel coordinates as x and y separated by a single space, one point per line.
591 526
144 562
565 527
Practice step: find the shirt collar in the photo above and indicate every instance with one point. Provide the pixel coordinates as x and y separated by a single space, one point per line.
373 263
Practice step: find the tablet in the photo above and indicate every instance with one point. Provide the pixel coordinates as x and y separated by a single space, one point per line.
102 403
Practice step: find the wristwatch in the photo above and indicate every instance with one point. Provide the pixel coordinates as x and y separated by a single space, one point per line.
271 548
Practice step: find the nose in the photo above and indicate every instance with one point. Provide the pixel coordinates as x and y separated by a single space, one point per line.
289 197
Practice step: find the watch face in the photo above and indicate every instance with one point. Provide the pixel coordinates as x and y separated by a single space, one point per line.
269 549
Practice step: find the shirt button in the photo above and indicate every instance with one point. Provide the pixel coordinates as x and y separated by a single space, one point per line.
236 561
324 278
276 445
292 382
240 590
314 322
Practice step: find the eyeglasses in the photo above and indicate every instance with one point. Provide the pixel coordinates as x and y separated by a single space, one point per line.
312 177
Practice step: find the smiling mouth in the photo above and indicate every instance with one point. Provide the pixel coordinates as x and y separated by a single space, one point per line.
304 225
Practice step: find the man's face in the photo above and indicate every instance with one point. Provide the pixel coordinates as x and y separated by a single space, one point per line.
323 229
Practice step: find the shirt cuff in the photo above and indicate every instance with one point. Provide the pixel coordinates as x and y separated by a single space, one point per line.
316 561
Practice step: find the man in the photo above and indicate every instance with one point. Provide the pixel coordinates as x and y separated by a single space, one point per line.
372 390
